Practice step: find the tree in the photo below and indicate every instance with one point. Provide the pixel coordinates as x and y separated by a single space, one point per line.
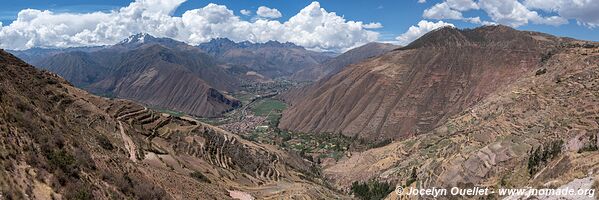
413 176
543 154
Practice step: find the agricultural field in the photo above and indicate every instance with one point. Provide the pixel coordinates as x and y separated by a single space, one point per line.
272 109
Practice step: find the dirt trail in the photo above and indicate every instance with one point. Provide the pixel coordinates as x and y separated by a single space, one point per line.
129 145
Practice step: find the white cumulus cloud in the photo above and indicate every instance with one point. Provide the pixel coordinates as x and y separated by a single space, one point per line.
462 5
267 12
423 27
245 12
373 25
442 11
313 27
446 10
513 12
585 12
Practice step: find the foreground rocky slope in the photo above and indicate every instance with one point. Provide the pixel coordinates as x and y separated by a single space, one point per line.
61 142
552 113
414 89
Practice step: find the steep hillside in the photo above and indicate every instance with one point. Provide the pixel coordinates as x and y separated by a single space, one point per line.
539 131
157 71
271 59
416 88
153 75
78 67
336 64
60 142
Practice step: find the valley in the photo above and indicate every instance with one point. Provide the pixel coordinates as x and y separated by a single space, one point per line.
112 148
490 106
257 120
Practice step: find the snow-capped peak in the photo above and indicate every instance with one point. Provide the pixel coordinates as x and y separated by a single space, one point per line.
137 38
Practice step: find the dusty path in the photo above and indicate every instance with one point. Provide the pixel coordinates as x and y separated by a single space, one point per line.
129 145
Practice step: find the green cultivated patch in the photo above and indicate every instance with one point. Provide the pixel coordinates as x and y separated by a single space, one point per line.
266 106
170 112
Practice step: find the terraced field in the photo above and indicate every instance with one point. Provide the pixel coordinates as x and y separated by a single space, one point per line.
189 149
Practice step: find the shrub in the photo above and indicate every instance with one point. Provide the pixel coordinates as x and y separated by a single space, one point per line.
371 190
104 142
78 191
133 186
413 176
60 159
51 81
591 144
381 143
543 154
144 190
200 177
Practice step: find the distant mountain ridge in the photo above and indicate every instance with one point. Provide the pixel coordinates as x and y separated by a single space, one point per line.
160 72
271 59
337 63
137 40
220 45
121 69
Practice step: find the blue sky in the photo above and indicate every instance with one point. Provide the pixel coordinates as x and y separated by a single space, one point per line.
395 16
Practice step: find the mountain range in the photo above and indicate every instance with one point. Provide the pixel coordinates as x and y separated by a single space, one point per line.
271 59
338 63
416 88
156 71
60 142
490 106
173 75
539 129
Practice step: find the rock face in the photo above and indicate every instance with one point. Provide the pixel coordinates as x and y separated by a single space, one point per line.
338 63
271 59
416 88
60 142
156 71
